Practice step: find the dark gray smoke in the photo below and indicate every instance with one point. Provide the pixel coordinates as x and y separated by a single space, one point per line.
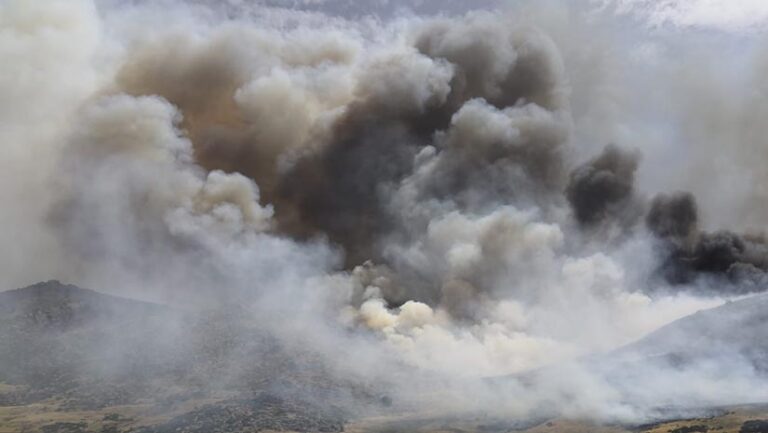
735 262
603 188
673 217
341 189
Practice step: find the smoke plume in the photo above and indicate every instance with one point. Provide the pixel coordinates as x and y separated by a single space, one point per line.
731 259
420 198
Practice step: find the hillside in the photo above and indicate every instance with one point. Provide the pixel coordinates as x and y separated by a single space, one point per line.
737 329
77 361
68 353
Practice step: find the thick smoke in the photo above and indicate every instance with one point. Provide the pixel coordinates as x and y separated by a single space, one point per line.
730 258
673 217
406 196
604 187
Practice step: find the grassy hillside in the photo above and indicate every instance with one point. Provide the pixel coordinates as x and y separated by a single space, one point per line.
77 361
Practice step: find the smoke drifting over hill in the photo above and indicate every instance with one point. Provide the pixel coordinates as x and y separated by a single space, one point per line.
423 199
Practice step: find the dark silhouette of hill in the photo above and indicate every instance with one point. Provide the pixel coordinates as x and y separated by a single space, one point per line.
57 306
86 351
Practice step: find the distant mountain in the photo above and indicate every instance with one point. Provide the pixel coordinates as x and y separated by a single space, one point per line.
711 358
690 368
58 339
738 329
62 307
79 350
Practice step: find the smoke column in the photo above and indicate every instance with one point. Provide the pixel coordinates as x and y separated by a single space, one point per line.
436 197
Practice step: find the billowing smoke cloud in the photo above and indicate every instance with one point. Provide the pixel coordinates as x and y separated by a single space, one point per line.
729 258
604 187
673 217
411 190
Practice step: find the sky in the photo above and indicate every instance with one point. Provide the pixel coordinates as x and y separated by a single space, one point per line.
734 16
728 15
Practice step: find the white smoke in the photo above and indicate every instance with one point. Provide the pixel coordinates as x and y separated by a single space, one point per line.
396 186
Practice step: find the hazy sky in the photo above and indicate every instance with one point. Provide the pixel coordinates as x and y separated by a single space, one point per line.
726 15
730 15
